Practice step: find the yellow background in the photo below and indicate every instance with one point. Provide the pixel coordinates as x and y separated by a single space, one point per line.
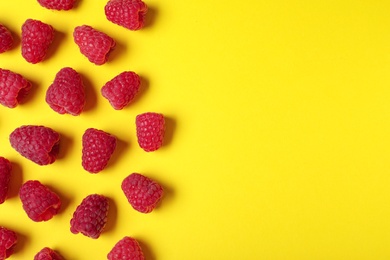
277 140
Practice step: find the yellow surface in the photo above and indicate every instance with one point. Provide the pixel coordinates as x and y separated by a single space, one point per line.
278 131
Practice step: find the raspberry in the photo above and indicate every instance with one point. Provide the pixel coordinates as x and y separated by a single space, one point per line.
39 202
121 90
127 13
13 88
47 254
93 44
98 146
6 39
142 192
39 144
90 216
36 40
5 175
127 248
66 94
8 241
150 130
57 4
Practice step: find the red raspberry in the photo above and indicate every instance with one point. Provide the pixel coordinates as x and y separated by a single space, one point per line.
90 216
6 39
150 130
39 144
5 176
47 254
98 146
39 202
121 90
57 4
126 249
95 45
66 94
13 88
36 40
127 13
142 192
8 241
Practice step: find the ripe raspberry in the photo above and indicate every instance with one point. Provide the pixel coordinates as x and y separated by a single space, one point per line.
36 40
142 192
6 39
8 241
95 45
98 146
90 216
47 254
121 90
39 144
39 202
150 130
13 88
66 94
5 176
127 13
127 248
57 4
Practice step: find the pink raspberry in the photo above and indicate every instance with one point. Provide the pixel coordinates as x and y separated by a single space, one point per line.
66 94
127 13
127 248
13 88
36 40
90 217
93 44
150 130
98 146
39 144
47 253
6 39
8 240
5 176
39 202
57 4
121 90
142 192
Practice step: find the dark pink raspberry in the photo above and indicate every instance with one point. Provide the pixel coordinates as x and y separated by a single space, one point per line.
8 240
39 144
121 90
98 146
5 176
142 192
127 13
13 88
47 253
150 130
93 44
127 248
36 40
90 217
57 4
6 39
39 202
66 94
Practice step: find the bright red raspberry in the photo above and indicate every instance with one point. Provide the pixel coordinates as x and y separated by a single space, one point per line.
39 202
47 254
127 13
150 130
36 40
98 146
66 94
6 39
5 176
39 144
93 44
142 192
90 217
121 90
57 4
127 248
13 88
8 240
